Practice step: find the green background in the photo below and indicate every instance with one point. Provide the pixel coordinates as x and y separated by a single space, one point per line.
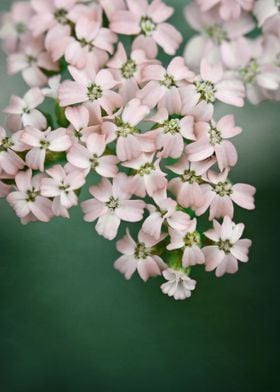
70 322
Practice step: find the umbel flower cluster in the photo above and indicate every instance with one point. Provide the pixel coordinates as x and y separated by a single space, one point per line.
103 114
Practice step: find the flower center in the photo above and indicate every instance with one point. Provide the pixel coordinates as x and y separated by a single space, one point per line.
128 69
124 129
20 28
31 59
171 126
6 143
147 25
26 110
61 15
225 246
94 161
216 33
206 90
112 204
215 136
146 169
249 73
223 189
94 92
192 239
141 252
191 177
168 81
64 187
44 144
31 195
86 44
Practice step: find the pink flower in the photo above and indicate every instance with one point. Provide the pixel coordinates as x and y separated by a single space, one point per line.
22 111
61 186
14 25
27 200
220 195
139 256
163 82
170 133
148 178
212 139
30 60
130 142
214 34
91 39
227 248
92 88
187 239
10 162
148 20
93 157
179 285
228 9
248 60
110 7
164 211
110 205
49 13
80 128
188 185
127 70
42 142
214 84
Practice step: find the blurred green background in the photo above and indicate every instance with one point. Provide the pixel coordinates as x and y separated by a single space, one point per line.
70 322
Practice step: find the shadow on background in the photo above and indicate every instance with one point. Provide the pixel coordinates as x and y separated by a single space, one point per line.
69 322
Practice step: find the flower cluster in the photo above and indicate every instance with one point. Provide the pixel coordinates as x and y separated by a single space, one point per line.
227 32
107 115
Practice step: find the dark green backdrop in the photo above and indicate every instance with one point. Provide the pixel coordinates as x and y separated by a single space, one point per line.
69 322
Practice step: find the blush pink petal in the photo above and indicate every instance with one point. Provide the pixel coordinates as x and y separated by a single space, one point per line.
108 225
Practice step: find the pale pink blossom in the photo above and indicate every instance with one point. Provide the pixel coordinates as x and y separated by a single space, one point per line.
49 13
22 111
148 178
27 200
92 156
228 248
92 88
61 187
40 143
90 40
213 84
220 194
31 59
214 33
110 205
170 133
189 241
110 7
139 256
179 285
128 70
80 123
228 9
10 162
248 61
162 83
212 139
187 186
15 24
130 142
148 20
165 210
